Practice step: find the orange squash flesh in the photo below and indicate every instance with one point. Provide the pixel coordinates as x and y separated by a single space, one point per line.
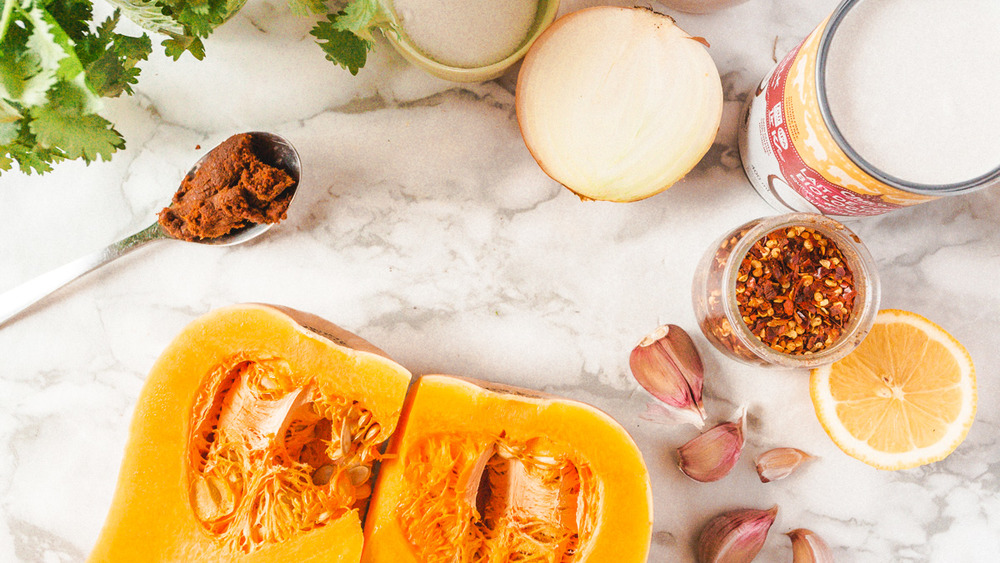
489 473
253 440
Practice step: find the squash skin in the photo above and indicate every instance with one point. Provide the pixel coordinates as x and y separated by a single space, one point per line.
453 405
151 518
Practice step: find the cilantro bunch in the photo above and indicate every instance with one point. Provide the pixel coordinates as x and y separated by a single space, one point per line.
54 70
56 64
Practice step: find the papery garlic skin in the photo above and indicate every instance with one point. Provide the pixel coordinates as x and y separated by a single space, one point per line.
807 547
779 463
667 364
736 536
711 455
663 414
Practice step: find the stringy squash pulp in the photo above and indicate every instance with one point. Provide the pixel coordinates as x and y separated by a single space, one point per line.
486 473
254 439
499 500
270 457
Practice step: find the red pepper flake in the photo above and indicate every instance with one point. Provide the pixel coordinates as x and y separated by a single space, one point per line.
795 291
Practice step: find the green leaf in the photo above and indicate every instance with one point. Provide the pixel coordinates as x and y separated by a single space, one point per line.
69 65
347 36
185 22
111 57
361 17
8 113
202 7
132 50
62 124
29 69
109 77
303 7
73 16
29 156
177 45
35 161
148 14
9 132
16 70
200 17
342 47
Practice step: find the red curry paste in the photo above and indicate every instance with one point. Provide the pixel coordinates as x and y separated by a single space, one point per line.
232 188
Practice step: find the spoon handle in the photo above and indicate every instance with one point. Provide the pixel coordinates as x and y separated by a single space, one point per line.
23 296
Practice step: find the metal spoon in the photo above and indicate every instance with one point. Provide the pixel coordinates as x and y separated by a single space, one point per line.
271 148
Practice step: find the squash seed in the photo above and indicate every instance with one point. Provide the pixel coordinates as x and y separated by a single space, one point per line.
359 475
322 475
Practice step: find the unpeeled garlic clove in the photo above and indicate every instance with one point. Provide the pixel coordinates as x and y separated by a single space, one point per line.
667 364
736 536
711 455
807 547
779 463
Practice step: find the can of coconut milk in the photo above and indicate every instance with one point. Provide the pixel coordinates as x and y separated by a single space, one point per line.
886 104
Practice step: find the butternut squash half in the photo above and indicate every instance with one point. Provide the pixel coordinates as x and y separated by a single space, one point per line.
253 440
479 472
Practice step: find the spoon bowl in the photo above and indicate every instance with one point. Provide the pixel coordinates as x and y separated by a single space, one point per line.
272 149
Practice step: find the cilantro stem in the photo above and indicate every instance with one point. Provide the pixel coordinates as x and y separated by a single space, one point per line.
8 7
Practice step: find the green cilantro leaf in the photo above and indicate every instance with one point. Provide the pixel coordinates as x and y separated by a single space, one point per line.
110 58
8 113
64 125
177 44
24 150
8 132
346 37
303 7
361 17
342 47
30 68
72 16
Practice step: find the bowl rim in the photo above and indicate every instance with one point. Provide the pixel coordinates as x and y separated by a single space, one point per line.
544 17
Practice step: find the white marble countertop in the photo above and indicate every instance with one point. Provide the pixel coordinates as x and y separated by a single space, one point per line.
423 224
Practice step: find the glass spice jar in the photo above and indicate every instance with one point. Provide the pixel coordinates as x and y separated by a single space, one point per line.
804 282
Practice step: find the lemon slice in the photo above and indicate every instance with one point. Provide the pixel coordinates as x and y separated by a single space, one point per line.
905 397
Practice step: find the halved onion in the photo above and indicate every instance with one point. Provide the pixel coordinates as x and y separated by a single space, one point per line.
618 103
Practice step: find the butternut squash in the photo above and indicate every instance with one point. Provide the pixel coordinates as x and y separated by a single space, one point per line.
253 440
489 473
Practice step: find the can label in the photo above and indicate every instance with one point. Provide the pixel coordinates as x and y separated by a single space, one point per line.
790 155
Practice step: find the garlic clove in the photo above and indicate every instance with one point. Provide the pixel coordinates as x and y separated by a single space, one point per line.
779 463
667 364
736 536
711 455
807 547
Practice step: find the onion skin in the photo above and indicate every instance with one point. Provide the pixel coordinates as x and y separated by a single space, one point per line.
618 104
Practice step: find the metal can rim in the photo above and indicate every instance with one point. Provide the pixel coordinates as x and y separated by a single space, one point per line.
826 39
